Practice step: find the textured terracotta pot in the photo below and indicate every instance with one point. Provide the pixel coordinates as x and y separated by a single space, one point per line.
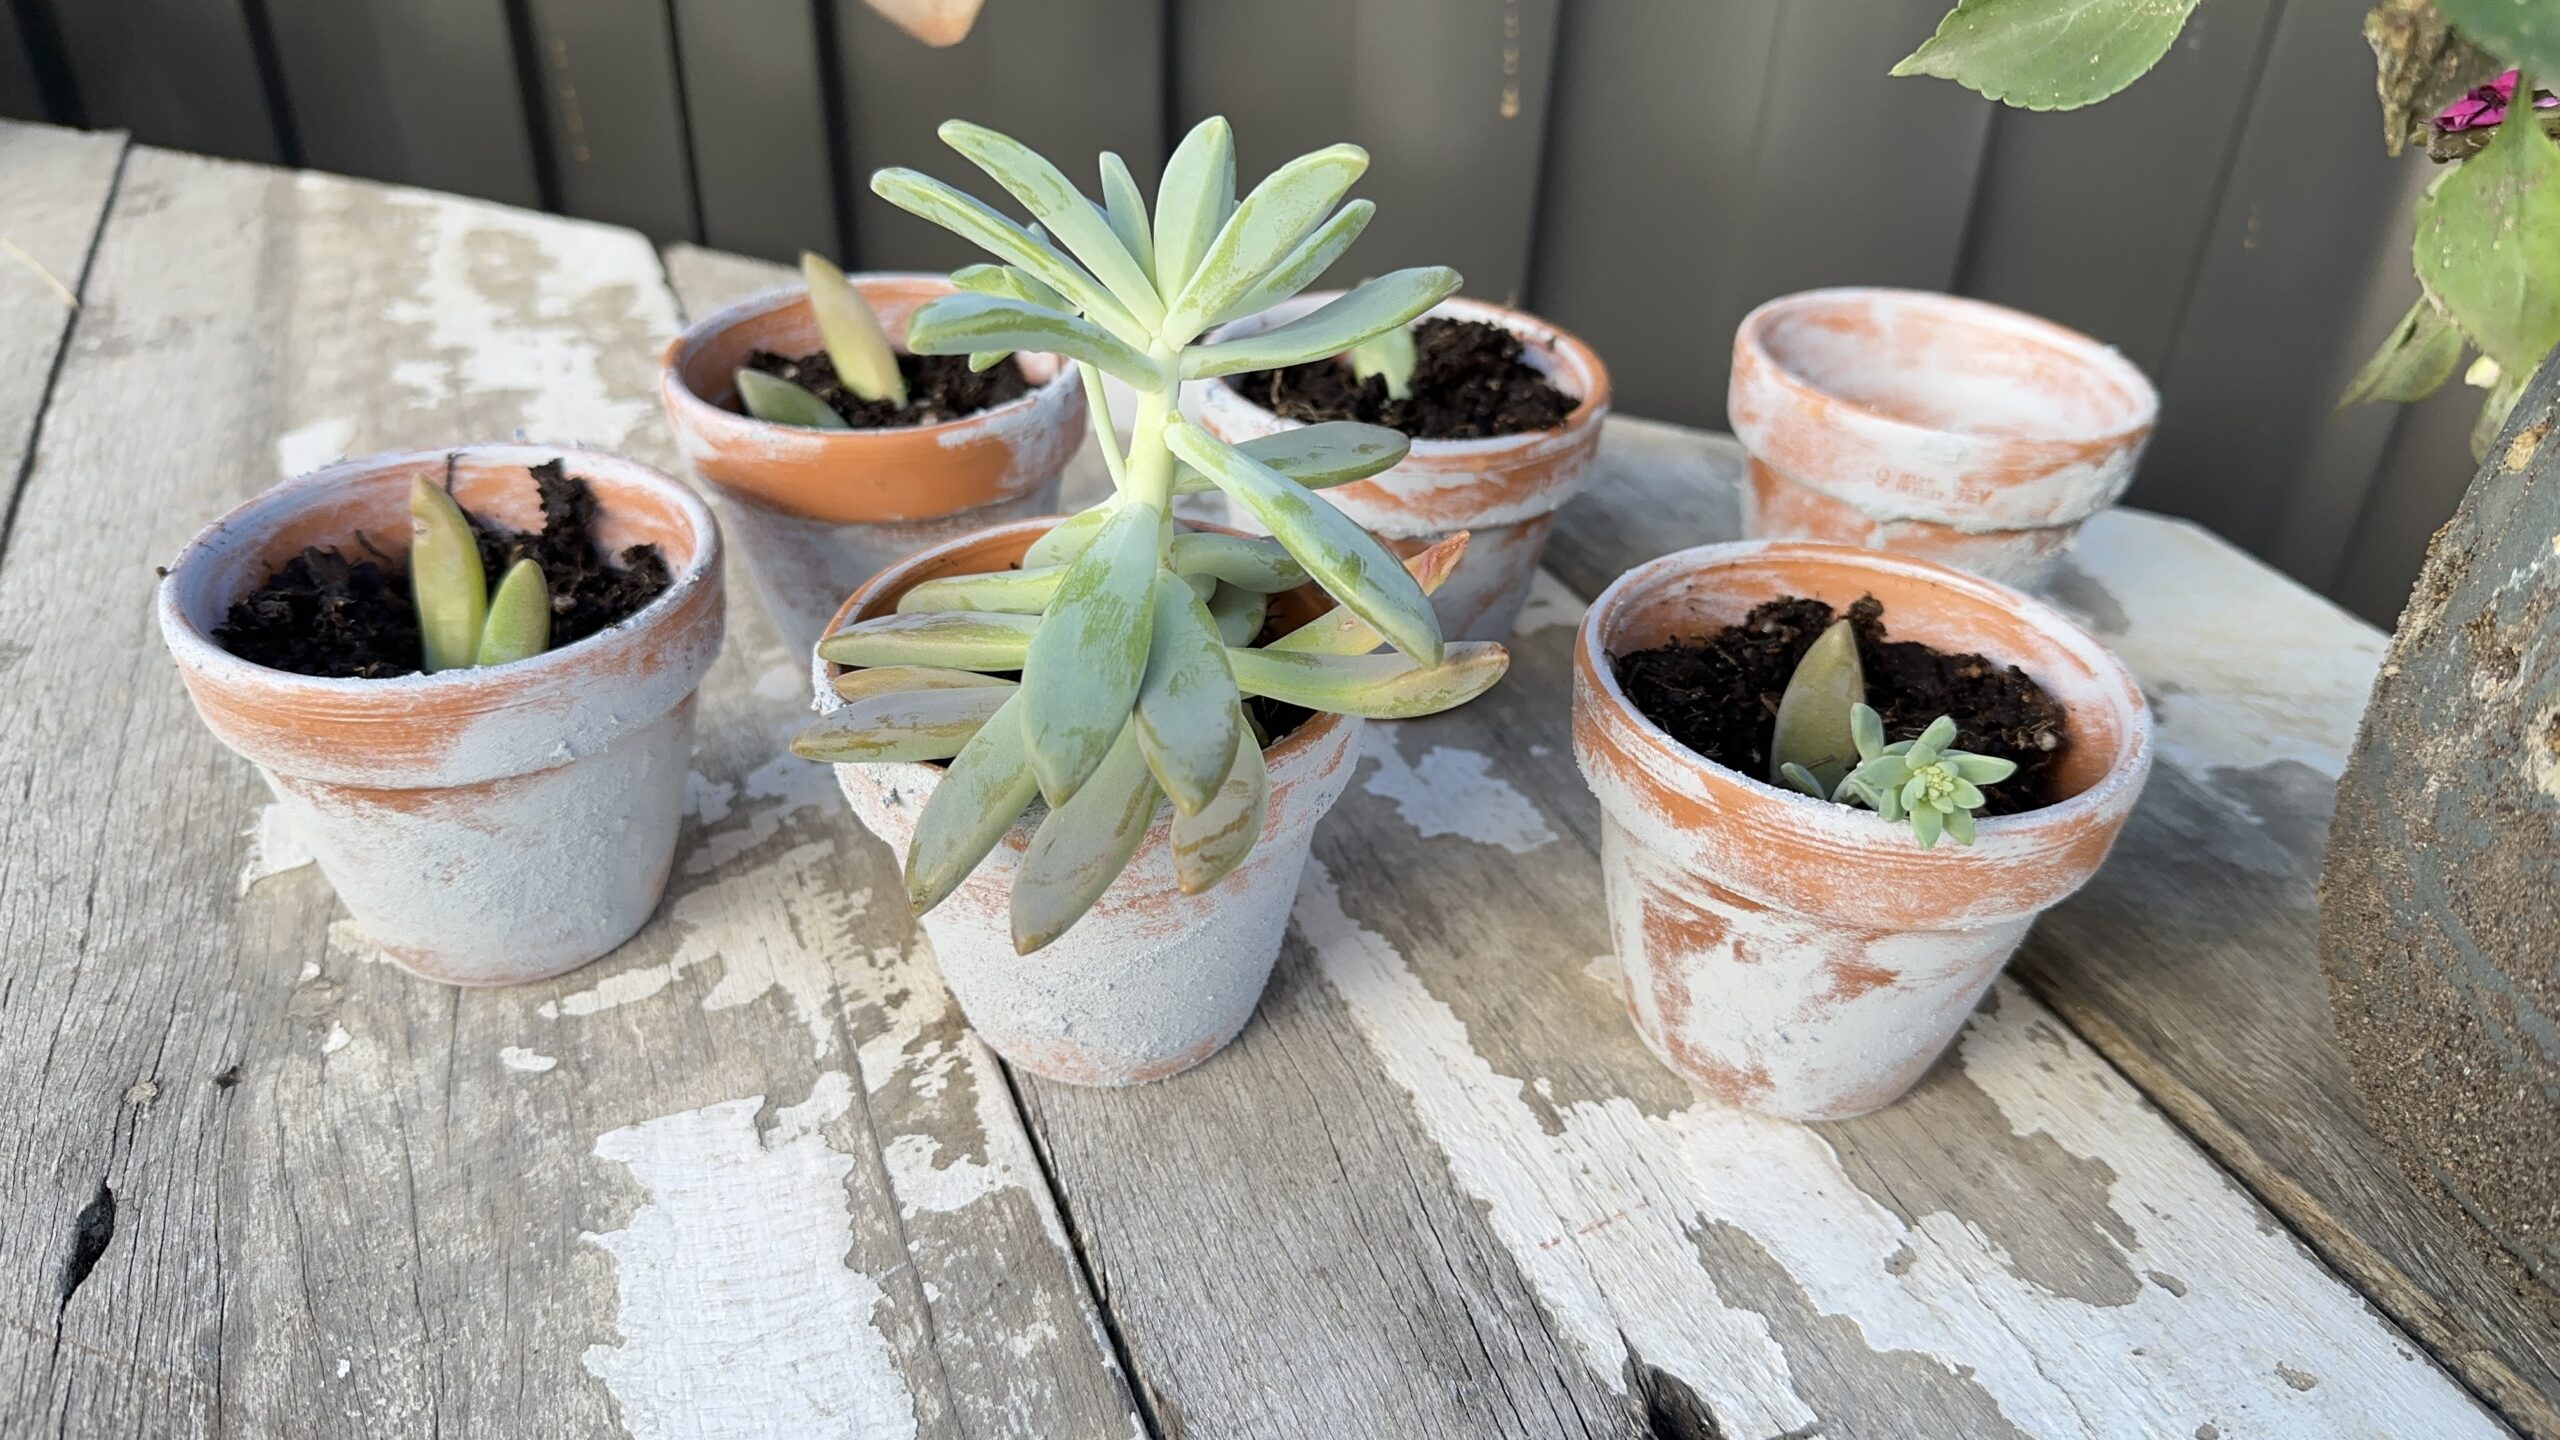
1934 426
1798 957
485 826
1152 981
1505 489
820 511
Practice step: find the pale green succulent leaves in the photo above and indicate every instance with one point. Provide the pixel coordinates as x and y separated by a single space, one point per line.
1283 210
777 401
1318 456
1187 706
1340 632
975 220
1391 355
1068 538
856 344
984 790
1082 672
926 724
1379 687
1193 201
1936 788
1314 256
960 323
1213 840
446 583
1083 844
885 679
519 623
1812 748
1265 566
1057 204
1125 207
957 639
1377 305
1000 592
1239 614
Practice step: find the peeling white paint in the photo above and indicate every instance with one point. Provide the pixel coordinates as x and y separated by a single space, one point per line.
1942 1288
922 1185
336 1041
793 786
516 1057
274 848
1452 791
307 447
706 799
737 1313
830 1098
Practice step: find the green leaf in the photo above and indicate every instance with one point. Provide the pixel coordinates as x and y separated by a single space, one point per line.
901 725
446 583
1318 456
1813 714
1009 280
1866 730
1304 265
856 345
1391 355
2049 54
777 401
1390 300
2525 32
519 623
956 639
1284 209
1125 205
958 323
1193 201
1059 205
1983 769
985 789
1380 687
1926 822
1239 613
1339 632
1083 845
1960 826
885 679
1083 671
2488 247
1264 566
1068 538
983 225
2417 358
2494 410
1348 561
1187 707
1002 592
1213 841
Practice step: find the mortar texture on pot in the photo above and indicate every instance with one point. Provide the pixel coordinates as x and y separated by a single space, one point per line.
1803 958
485 826
1152 981
1504 488
1930 425
820 511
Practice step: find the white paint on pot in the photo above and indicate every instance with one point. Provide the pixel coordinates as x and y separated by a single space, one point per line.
738 1316
307 447
1452 791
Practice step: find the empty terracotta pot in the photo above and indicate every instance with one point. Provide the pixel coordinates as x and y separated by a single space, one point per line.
1504 489
820 511
1152 981
1929 425
485 826
1803 958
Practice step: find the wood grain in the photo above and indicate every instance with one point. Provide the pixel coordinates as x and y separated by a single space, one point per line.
735 1179
58 182
2211 1002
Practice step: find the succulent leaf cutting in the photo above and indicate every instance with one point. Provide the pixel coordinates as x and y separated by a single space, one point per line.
1137 642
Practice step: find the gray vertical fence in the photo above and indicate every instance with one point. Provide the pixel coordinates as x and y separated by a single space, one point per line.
1640 171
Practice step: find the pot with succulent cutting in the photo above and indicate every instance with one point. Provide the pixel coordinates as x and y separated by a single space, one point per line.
1100 745
1837 787
468 677
835 451
1503 412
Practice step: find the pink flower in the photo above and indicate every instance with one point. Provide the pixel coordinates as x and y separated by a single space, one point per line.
2487 105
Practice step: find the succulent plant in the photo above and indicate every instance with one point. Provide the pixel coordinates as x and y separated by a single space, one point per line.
460 623
1134 639
857 346
1938 789
1390 355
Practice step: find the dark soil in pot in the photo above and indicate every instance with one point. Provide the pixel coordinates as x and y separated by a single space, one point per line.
339 616
1718 694
940 388
1469 383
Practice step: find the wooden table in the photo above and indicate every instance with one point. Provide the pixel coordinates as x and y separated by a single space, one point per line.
751 1175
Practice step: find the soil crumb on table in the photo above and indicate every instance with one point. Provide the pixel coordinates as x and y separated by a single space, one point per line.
340 616
1469 383
1718 694
940 388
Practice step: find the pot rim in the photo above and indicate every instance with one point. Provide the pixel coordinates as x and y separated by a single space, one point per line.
1568 358
2112 791
1752 338
682 348
492 687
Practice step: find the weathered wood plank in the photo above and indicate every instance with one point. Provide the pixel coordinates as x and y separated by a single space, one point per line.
2189 962
747 1175
419 92
57 182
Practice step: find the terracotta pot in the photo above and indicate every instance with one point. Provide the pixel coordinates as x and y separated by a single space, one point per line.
1505 489
820 511
1929 425
1808 959
485 826
1152 981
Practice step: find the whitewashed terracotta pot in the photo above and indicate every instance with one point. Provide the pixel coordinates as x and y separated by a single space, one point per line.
1802 958
1504 489
1929 425
820 511
1152 981
485 826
